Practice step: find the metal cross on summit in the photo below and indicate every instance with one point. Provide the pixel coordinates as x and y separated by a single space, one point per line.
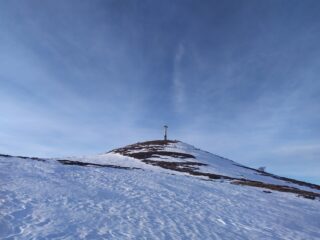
165 132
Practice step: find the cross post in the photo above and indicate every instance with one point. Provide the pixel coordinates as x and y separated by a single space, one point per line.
165 132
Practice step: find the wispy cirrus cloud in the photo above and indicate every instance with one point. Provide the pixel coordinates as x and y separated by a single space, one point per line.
179 94
237 79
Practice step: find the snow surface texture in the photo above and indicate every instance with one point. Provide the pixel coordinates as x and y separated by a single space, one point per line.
49 200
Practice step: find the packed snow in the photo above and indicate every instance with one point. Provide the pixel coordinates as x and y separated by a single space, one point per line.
49 200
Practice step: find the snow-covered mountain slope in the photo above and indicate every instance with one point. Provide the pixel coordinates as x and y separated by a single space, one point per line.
152 190
176 157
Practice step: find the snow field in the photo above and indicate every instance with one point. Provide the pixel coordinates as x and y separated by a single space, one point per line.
47 200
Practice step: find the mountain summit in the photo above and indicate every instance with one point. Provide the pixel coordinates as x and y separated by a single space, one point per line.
182 157
161 189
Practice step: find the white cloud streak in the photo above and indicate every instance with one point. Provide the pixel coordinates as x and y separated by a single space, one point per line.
178 84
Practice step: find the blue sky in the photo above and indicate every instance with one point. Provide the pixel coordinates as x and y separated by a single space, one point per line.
236 78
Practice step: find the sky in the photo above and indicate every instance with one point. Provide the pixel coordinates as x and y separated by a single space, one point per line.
238 78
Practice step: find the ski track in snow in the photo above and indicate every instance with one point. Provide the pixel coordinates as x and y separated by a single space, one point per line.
48 200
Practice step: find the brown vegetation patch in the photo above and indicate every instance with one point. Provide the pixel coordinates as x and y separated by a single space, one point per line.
155 145
149 149
187 167
150 154
288 180
176 166
77 163
22 157
280 188
156 142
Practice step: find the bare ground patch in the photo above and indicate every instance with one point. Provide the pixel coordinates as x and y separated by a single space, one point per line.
77 163
288 180
22 157
302 193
